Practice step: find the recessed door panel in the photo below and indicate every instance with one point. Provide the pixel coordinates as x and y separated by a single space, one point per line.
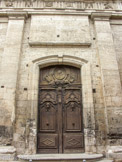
47 111
48 118
72 110
73 143
48 141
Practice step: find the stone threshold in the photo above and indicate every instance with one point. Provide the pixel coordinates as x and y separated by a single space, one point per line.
54 157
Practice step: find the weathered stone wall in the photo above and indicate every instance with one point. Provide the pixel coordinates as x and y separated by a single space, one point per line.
24 136
3 30
24 121
112 91
34 39
8 79
99 107
3 129
116 26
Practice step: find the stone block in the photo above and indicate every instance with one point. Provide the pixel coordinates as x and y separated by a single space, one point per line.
60 30
103 27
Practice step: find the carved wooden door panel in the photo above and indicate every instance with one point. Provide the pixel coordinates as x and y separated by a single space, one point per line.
73 127
47 123
60 126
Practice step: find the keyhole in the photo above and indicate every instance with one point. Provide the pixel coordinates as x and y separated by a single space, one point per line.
47 109
73 124
73 108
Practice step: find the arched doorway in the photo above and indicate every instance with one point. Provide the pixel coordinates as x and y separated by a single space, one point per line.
60 121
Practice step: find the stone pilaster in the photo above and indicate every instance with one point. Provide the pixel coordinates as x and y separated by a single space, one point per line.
8 75
110 74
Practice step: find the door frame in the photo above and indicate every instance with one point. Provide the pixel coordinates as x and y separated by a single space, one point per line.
88 106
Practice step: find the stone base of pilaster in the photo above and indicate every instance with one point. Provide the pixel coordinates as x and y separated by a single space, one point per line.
7 153
114 152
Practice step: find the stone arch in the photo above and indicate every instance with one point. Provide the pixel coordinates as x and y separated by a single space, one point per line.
88 107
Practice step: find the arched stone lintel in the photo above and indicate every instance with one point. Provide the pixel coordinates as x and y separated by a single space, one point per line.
60 59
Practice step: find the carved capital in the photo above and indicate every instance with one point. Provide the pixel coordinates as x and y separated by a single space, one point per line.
101 16
17 15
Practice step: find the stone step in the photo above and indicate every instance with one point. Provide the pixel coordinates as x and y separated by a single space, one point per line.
105 160
61 157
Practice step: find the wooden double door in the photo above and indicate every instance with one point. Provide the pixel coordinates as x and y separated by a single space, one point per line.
60 126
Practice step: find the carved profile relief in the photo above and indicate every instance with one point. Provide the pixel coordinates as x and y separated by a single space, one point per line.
48 4
9 3
88 5
29 3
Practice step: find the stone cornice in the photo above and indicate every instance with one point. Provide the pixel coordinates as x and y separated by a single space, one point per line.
59 12
97 16
94 15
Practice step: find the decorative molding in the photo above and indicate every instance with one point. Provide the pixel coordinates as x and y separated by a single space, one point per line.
115 22
64 4
3 20
36 44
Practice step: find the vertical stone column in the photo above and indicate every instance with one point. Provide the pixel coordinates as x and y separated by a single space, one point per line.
8 75
88 109
110 74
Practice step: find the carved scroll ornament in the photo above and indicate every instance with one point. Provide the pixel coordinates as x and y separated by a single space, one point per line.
59 76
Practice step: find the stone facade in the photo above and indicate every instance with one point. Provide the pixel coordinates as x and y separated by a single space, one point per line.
84 34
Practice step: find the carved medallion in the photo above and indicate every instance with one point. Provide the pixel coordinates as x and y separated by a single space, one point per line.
59 73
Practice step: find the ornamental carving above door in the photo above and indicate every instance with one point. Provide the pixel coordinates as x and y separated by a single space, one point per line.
60 124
